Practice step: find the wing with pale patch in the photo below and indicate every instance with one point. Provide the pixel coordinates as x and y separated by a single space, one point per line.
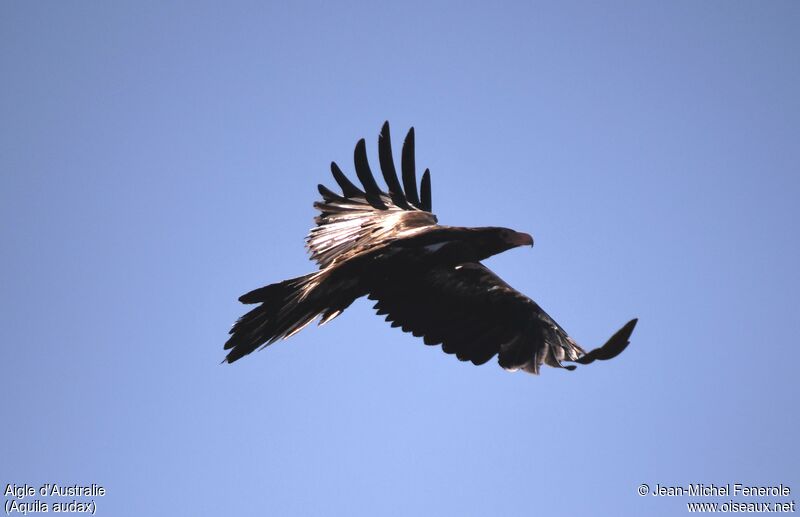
358 220
476 315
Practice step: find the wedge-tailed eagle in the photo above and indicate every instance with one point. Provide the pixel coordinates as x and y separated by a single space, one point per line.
426 278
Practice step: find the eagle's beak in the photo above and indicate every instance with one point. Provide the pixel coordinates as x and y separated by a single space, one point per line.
521 239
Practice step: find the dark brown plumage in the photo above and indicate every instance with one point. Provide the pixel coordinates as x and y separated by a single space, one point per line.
426 278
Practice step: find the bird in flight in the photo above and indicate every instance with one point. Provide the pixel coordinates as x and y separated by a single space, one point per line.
426 278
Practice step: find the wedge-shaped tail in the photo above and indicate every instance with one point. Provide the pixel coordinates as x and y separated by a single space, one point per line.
285 309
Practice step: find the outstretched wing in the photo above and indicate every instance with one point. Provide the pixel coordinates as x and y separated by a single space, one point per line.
476 315
360 219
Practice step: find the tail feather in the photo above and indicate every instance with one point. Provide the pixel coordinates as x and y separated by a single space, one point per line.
281 313
286 308
269 292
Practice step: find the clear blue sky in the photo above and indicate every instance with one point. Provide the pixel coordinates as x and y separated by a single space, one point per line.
160 159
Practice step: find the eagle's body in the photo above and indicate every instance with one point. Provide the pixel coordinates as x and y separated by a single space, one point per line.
425 277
